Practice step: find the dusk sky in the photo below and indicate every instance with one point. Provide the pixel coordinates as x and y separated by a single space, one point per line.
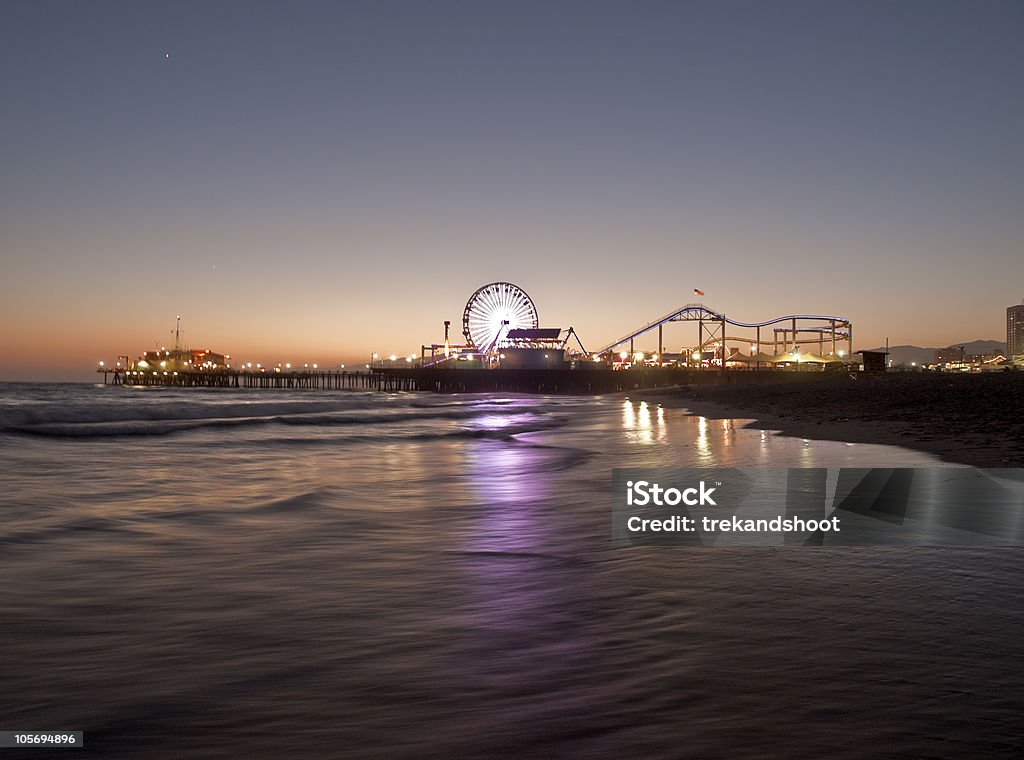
315 181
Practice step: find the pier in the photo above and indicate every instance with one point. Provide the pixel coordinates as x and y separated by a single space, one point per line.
505 350
230 378
445 380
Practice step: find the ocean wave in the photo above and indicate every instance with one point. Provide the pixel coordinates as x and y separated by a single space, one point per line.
155 426
100 527
130 409
507 433
490 401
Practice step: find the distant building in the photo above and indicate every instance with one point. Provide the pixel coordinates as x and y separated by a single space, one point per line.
180 359
533 348
953 356
1015 330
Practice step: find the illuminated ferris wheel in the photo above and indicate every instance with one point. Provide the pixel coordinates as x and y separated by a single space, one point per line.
490 308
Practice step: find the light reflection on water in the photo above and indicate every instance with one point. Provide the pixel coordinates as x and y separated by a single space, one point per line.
674 437
506 481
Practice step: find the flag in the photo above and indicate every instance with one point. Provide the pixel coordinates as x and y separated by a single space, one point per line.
698 292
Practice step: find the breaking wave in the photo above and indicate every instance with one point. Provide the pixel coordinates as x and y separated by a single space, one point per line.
130 415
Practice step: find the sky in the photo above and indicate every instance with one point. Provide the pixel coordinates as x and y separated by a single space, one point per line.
315 182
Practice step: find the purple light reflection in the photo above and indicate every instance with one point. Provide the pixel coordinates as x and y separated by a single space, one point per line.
497 421
525 610
508 482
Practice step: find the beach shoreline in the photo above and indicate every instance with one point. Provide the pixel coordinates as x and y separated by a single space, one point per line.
965 419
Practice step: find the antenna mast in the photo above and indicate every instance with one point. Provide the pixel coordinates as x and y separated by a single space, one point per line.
177 333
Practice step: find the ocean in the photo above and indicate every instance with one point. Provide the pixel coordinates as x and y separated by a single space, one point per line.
269 574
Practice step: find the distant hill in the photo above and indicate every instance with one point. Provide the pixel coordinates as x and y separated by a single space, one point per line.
924 355
982 347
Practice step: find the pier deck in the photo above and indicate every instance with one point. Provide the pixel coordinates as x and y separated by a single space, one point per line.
555 381
230 378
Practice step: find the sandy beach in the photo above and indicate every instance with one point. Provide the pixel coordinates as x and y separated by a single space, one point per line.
969 419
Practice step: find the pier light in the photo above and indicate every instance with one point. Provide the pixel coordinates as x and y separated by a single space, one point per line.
639 356
623 355
841 352
408 358
654 357
367 366
696 355
343 366
101 364
392 357
175 374
288 366
306 366
259 366
597 358
163 364
249 365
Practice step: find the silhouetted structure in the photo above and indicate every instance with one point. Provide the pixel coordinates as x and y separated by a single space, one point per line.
1015 330
874 361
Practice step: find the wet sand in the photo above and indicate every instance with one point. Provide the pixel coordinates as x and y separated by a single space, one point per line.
969 419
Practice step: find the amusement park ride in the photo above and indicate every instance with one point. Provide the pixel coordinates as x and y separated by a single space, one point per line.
501 329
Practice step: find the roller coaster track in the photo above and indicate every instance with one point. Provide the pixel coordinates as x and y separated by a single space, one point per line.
698 312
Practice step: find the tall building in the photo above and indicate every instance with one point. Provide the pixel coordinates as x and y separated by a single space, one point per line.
1015 330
